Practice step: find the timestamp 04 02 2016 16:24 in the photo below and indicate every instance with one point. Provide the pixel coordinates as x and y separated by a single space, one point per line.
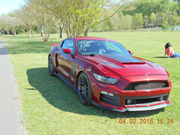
146 121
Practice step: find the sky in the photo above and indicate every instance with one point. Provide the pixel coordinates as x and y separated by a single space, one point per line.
7 6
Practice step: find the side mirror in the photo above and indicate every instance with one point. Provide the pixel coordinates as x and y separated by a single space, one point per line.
130 52
67 51
55 44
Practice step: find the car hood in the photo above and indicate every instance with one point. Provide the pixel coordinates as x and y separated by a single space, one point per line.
125 65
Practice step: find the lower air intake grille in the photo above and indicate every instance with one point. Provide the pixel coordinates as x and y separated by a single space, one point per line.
114 100
145 99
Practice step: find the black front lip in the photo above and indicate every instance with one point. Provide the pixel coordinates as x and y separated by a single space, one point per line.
133 109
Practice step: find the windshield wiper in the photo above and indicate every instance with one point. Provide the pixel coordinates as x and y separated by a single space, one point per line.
92 54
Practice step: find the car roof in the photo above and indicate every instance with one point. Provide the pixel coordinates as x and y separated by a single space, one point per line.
91 38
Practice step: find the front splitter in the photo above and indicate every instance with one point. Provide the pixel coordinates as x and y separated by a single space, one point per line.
133 109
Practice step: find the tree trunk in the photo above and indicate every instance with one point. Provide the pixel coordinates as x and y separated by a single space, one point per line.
46 38
86 32
45 34
67 33
41 34
60 32
3 33
41 29
14 32
30 33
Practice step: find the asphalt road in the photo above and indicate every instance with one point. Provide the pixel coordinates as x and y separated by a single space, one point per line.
11 122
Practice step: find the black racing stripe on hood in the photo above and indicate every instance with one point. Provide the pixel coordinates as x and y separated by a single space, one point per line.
123 58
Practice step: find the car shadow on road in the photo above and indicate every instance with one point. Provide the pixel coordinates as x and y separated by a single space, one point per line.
61 96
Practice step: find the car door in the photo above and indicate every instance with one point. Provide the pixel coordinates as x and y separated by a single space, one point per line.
66 60
54 53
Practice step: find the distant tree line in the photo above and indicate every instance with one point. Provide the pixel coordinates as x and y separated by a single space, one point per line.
77 17
71 16
137 14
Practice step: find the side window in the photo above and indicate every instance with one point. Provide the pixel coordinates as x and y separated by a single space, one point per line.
60 44
69 44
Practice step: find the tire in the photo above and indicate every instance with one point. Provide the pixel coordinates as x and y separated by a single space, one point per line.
84 89
50 66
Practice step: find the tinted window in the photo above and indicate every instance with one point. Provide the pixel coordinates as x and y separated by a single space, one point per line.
87 47
60 44
69 44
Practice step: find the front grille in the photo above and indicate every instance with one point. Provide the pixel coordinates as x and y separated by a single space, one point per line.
114 100
147 85
145 99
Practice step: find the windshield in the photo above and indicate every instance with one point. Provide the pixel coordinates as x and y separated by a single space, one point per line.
100 47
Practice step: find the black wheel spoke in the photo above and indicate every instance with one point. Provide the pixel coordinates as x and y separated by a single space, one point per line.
83 89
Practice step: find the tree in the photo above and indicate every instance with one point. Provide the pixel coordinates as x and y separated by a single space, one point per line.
178 10
9 23
13 24
4 24
173 19
146 21
108 25
152 18
146 7
54 7
75 16
178 1
125 22
138 20
27 16
121 24
42 16
79 16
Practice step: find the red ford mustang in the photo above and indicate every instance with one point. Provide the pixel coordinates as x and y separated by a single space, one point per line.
102 72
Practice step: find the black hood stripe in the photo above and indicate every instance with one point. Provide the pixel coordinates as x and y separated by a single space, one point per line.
124 58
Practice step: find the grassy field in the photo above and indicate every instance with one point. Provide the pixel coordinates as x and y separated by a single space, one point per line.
51 108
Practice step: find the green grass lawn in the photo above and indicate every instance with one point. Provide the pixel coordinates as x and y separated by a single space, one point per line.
51 108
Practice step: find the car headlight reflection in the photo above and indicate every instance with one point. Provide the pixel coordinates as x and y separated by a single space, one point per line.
104 79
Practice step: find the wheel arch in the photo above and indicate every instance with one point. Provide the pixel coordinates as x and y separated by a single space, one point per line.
49 55
78 77
90 94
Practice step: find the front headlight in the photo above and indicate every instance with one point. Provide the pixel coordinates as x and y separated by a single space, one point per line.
104 79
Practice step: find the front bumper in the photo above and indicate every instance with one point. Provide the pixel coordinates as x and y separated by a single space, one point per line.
143 100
